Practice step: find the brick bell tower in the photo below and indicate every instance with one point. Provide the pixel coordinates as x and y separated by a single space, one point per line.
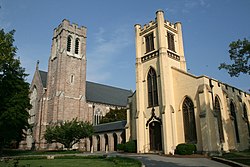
66 81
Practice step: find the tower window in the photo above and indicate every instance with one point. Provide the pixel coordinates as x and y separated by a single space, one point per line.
69 40
189 121
149 42
152 88
171 41
77 42
233 114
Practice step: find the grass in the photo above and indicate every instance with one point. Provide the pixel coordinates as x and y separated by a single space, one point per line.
29 152
72 161
241 157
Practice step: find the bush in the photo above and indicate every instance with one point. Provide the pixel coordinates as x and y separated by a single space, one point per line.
121 146
130 146
185 149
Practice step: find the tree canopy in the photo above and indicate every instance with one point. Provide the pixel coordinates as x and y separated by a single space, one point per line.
239 53
68 133
14 93
115 115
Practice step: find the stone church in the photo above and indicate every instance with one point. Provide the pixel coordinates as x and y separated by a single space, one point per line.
170 106
62 94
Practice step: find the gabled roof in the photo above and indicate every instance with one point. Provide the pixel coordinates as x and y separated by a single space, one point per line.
98 93
43 76
106 94
112 126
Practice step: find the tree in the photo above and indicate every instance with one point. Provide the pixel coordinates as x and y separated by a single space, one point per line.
68 133
115 115
240 54
14 93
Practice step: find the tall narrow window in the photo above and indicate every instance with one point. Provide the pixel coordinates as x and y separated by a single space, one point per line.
233 114
171 41
246 118
152 88
77 42
219 119
69 40
189 121
149 39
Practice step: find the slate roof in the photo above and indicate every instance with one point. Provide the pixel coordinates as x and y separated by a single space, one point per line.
43 76
106 94
112 126
98 93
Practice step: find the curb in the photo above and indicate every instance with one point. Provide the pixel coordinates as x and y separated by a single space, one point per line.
228 162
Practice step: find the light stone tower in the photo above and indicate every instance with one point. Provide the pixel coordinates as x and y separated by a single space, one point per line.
159 48
66 81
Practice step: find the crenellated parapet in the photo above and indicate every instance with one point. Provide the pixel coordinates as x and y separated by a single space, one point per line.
71 28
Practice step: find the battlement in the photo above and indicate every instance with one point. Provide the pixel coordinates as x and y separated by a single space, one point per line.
65 25
153 24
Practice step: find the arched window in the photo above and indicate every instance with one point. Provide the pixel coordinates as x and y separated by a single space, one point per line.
233 114
246 118
98 116
219 118
69 41
189 121
152 88
77 42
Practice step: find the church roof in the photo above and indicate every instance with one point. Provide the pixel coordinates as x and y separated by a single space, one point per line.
98 93
112 126
43 76
106 94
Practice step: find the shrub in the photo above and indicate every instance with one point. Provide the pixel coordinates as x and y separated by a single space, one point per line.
185 149
121 146
130 146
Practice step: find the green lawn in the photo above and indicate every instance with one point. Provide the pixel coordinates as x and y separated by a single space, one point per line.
241 157
73 161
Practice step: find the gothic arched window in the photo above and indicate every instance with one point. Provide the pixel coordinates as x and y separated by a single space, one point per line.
152 88
219 118
98 116
233 114
77 42
69 41
246 118
189 121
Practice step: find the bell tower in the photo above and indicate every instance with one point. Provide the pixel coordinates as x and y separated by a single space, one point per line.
159 48
66 79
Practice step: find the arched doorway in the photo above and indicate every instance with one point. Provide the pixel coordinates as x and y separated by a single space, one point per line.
155 136
98 143
106 142
115 141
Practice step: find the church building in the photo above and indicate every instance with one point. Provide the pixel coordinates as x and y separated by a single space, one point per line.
172 106
169 106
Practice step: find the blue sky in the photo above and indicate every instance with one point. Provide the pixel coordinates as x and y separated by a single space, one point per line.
208 28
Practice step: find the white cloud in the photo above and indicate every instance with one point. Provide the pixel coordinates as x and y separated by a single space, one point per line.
110 44
187 6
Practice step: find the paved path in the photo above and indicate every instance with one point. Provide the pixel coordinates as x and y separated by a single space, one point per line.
151 160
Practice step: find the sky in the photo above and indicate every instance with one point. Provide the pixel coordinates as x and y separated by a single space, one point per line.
208 28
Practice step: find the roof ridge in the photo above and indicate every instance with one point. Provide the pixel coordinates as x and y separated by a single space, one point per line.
110 86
